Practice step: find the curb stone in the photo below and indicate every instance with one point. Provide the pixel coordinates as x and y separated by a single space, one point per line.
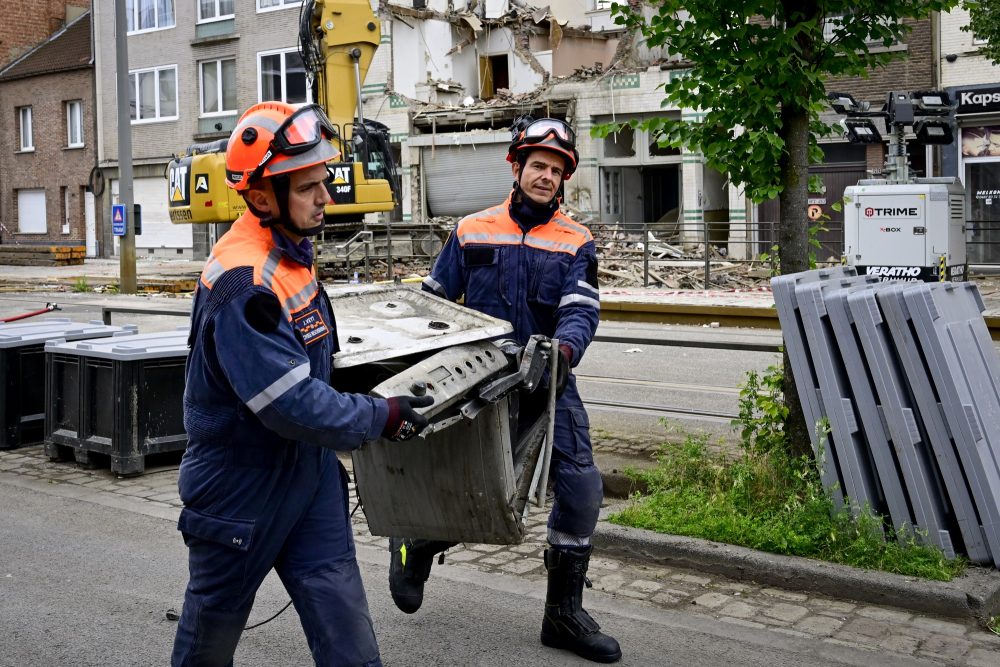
975 595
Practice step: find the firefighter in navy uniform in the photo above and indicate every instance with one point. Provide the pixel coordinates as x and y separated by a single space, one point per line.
525 262
261 485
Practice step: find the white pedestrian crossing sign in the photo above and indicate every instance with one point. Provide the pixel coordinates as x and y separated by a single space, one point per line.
118 219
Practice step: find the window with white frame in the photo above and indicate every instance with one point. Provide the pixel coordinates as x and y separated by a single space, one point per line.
832 23
31 216
74 124
153 94
269 5
218 87
215 10
149 14
282 77
25 132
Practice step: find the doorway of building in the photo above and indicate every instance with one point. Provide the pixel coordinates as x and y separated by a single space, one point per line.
632 196
982 183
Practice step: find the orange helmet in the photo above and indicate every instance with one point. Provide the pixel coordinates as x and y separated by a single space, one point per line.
275 138
549 134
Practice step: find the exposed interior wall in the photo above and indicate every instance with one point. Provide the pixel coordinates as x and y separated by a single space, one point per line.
407 59
437 41
715 196
573 52
576 52
522 77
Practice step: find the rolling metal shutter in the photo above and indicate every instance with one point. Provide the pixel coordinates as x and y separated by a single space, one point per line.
464 179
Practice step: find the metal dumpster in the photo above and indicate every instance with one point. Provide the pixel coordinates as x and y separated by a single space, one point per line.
469 476
22 373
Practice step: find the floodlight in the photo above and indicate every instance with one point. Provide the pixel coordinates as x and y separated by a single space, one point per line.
861 131
842 102
933 131
932 102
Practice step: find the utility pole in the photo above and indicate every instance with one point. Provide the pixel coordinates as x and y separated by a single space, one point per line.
126 248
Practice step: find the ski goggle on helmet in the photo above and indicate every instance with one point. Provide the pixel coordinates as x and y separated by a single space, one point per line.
550 134
275 138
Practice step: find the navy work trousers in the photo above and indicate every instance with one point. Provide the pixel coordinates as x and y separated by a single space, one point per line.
576 481
248 510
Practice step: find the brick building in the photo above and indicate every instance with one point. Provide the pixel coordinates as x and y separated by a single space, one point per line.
26 24
47 142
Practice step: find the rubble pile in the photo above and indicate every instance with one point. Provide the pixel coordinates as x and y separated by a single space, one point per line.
673 265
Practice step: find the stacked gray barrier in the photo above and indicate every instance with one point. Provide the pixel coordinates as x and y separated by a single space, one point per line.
908 380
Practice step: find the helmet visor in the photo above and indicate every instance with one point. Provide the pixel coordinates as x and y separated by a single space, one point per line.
303 130
546 127
300 133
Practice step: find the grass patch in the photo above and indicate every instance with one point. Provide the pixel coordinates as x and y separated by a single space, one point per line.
81 285
765 499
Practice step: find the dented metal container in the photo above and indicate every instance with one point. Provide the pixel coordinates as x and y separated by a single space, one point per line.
387 322
467 478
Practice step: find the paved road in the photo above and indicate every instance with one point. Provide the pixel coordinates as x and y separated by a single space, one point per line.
88 584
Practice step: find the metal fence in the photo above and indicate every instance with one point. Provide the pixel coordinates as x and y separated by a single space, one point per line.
645 248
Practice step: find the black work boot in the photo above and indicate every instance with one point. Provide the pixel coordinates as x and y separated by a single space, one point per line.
567 624
409 567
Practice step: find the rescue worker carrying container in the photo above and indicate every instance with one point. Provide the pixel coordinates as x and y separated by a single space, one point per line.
261 485
525 262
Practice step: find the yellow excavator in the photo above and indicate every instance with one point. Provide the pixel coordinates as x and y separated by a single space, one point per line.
337 41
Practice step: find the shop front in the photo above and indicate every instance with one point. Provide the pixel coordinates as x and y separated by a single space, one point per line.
975 158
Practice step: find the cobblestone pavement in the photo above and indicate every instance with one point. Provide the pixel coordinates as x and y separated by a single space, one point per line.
882 630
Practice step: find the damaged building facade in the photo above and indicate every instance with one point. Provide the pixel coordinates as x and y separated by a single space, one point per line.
451 77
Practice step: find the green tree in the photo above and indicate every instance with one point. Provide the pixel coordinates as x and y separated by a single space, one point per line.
984 23
758 73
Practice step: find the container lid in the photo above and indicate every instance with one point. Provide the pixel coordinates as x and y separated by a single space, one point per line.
137 347
36 332
375 323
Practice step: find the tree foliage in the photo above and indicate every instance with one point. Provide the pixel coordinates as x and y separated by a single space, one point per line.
750 59
984 23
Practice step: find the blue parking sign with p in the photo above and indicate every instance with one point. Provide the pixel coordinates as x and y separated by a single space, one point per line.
118 219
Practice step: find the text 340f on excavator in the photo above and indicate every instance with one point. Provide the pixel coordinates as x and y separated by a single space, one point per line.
337 41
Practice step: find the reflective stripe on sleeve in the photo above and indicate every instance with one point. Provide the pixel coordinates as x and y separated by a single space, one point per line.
571 299
270 266
296 301
435 286
278 388
583 284
213 271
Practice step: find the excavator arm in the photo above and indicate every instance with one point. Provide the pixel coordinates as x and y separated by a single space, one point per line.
337 41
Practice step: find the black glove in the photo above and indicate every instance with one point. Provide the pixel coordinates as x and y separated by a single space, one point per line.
562 369
404 421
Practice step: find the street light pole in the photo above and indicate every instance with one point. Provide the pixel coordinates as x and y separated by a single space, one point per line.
127 279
